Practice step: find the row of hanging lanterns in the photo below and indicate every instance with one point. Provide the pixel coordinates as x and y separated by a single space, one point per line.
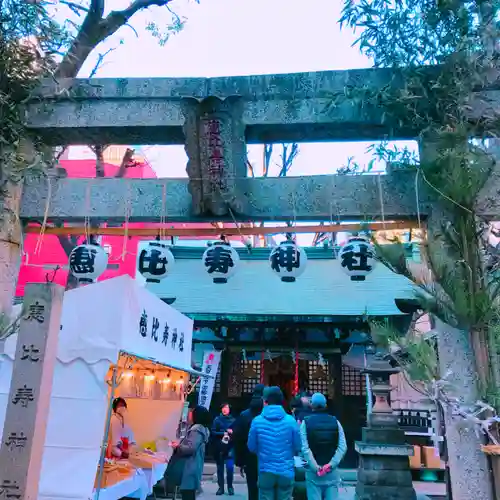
220 260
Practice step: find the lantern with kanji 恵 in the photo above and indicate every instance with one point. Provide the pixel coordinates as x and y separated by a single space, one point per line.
288 261
155 261
357 258
88 261
220 261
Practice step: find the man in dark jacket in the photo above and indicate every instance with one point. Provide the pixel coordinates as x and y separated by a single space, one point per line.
244 459
323 447
222 431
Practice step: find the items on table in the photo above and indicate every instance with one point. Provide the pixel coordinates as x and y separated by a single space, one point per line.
114 472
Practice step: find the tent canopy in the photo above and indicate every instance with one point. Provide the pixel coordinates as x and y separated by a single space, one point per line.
103 319
99 322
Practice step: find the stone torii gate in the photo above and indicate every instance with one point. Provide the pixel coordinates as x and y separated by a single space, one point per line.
215 118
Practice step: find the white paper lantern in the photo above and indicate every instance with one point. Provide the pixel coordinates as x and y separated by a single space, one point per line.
87 262
155 261
357 258
220 261
288 261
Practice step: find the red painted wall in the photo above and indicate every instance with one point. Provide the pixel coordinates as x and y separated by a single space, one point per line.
37 266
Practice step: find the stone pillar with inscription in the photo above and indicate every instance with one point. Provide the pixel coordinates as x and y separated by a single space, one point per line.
217 158
28 406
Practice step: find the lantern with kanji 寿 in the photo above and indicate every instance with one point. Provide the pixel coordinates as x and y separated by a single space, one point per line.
220 261
357 258
155 261
288 261
87 262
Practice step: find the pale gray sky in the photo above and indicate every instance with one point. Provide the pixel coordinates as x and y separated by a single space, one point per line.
239 37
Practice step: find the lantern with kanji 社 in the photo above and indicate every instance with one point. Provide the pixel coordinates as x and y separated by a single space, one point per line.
288 261
357 258
220 261
87 262
155 261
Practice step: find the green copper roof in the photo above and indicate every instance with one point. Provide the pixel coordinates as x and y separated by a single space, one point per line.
323 290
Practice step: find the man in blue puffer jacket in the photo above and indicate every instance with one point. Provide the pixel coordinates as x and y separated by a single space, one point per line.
275 438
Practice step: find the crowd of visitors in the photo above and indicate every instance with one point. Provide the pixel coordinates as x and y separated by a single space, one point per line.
264 442
267 440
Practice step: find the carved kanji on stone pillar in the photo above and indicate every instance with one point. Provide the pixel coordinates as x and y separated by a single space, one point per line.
216 150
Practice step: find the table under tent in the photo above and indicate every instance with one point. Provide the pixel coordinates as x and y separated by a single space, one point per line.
113 329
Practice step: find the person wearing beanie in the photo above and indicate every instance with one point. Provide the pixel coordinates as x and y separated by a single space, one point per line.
244 459
323 447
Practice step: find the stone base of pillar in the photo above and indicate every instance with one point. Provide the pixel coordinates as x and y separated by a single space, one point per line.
384 469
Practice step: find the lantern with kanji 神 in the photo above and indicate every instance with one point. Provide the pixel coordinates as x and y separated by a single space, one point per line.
357 258
87 262
288 261
220 261
155 261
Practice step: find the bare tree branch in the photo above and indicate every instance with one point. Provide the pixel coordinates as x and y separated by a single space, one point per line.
76 8
133 29
84 42
287 157
250 168
67 242
100 60
95 29
117 18
266 159
98 150
127 162
59 153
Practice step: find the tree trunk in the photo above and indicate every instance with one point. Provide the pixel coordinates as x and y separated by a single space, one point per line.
99 160
10 246
469 469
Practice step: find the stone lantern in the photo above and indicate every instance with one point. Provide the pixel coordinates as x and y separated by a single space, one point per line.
380 370
384 469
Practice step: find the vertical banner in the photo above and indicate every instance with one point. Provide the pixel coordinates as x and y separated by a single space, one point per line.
211 360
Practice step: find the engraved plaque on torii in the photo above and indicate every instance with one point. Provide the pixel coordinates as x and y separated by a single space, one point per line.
216 150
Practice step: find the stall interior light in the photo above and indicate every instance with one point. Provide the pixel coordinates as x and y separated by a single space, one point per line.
166 381
149 377
180 381
128 374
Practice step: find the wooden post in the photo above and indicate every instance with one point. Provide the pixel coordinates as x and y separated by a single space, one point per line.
28 406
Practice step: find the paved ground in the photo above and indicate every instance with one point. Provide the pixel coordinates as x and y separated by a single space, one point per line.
209 489
240 490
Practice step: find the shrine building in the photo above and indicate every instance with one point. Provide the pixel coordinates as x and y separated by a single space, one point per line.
261 322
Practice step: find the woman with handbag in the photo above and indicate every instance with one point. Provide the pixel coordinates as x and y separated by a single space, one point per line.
185 467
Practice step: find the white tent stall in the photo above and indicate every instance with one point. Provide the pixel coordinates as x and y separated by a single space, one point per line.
99 322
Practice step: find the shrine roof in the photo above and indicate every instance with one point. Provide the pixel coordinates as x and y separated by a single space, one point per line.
322 290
